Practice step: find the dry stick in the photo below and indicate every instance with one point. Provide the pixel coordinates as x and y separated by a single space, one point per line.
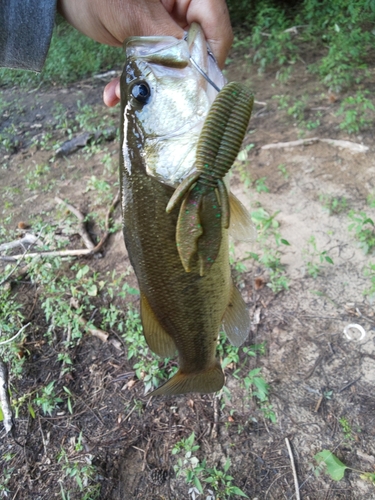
82 231
5 399
293 468
354 147
214 431
73 253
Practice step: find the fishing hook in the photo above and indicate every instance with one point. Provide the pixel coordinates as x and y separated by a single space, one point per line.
204 74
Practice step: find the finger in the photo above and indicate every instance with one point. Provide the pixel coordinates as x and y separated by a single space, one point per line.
111 93
213 16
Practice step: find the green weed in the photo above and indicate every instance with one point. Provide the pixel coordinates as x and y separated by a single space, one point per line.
282 169
357 112
47 399
315 258
336 469
369 272
334 204
81 470
364 229
268 227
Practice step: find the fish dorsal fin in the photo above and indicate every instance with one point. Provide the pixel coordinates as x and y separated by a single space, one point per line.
157 339
241 226
210 380
236 321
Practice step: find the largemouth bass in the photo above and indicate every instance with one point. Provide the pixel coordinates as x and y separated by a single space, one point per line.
165 101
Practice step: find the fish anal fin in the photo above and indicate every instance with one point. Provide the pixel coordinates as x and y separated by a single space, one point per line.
157 339
210 380
236 320
241 226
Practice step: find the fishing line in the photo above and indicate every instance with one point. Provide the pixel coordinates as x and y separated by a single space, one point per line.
205 76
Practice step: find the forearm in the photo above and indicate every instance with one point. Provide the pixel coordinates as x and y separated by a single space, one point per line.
25 32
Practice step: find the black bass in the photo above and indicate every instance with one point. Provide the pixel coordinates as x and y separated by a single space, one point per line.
165 103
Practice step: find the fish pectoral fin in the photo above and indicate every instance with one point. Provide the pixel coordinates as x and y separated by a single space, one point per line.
236 320
241 226
157 338
210 380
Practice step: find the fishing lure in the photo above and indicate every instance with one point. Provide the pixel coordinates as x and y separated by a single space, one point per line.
205 205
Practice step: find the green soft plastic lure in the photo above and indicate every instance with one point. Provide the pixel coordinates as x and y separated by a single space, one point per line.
205 209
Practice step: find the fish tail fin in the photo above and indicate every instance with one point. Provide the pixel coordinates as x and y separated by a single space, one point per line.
210 380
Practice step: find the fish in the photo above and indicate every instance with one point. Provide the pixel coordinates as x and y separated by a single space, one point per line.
168 122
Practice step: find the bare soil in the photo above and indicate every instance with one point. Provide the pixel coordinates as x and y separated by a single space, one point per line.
316 374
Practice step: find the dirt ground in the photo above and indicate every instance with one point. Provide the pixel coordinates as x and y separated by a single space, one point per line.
318 377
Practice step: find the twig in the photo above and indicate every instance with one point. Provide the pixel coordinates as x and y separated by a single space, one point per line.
354 147
216 418
5 399
82 227
348 385
95 332
14 336
293 468
108 222
316 409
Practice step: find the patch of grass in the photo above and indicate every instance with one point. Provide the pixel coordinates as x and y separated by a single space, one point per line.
219 482
278 33
72 56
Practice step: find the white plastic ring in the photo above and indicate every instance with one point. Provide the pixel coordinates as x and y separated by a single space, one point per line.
354 326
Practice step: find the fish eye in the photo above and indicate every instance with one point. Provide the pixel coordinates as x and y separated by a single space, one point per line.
141 92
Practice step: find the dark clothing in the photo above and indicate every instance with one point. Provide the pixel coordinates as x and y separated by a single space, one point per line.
25 32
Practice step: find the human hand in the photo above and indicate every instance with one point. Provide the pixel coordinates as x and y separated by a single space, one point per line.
110 22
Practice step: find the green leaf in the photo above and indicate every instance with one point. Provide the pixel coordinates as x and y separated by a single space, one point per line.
1 415
285 242
328 259
335 468
31 410
238 492
92 291
198 485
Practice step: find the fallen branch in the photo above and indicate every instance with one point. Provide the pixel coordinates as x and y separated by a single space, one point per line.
26 241
5 398
73 253
82 231
354 147
293 468
80 141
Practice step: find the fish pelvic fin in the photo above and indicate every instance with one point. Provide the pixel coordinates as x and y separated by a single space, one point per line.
241 226
236 320
210 380
157 338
